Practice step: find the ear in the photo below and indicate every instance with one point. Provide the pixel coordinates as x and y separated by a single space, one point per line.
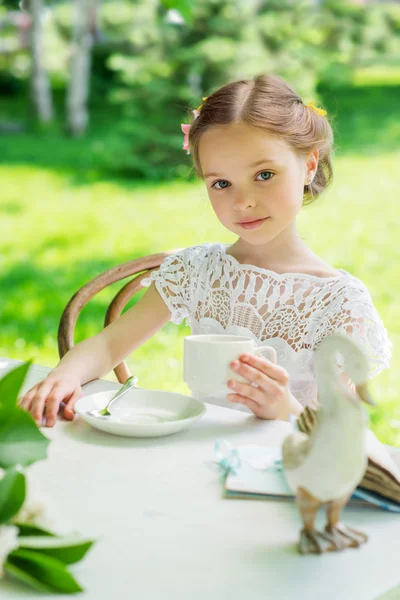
312 162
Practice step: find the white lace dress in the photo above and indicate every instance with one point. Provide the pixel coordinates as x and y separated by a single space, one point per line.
292 312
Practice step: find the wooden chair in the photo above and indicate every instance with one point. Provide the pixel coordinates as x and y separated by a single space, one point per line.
140 267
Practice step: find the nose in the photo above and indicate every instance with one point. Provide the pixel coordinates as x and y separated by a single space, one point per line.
243 201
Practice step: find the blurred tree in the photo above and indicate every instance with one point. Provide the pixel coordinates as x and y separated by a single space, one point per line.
151 61
85 29
161 81
85 26
353 36
40 85
14 43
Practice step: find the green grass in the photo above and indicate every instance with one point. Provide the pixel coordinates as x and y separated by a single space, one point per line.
376 74
63 223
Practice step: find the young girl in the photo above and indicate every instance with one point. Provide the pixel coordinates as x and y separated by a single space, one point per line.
262 154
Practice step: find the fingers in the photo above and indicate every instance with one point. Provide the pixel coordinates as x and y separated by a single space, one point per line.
266 387
252 375
34 400
253 406
245 390
61 392
255 393
260 364
26 400
69 412
52 404
46 402
44 399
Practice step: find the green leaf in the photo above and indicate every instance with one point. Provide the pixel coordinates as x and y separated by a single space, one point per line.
183 6
12 494
10 386
68 550
26 529
21 442
45 570
18 573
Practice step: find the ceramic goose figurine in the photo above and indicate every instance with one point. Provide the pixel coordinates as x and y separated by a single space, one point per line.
327 465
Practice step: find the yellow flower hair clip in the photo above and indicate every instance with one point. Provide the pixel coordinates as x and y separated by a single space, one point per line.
319 111
201 105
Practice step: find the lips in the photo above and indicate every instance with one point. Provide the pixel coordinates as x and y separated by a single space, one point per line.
244 221
252 223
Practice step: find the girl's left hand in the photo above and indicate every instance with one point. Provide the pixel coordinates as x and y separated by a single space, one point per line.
270 398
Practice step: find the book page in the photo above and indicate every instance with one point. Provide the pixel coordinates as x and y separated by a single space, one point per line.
383 456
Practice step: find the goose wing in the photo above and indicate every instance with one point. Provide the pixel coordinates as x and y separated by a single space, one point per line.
295 448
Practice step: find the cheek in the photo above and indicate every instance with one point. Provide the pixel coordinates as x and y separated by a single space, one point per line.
219 206
290 195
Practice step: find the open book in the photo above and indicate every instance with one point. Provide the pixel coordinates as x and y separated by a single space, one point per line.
382 475
258 473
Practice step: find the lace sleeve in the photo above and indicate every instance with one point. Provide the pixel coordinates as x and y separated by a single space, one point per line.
172 282
353 312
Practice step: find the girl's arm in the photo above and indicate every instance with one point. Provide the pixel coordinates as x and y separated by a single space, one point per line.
95 357
98 355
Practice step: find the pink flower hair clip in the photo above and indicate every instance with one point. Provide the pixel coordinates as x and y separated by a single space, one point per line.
186 128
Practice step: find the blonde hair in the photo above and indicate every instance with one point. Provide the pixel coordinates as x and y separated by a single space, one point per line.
269 103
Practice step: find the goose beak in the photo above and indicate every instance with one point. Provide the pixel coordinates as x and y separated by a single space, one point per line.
363 393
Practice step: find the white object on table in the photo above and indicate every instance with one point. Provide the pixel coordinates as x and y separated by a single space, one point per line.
163 529
206 363
141 413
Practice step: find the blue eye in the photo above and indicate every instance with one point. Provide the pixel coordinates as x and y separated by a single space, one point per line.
223 184
264 173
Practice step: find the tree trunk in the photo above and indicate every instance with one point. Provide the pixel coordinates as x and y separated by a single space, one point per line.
80 64
40 86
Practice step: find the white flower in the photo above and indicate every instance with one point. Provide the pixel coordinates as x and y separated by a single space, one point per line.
8 543
31 513
33 510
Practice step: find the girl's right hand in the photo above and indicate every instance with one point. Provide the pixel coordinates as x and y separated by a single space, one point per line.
44 398
95 357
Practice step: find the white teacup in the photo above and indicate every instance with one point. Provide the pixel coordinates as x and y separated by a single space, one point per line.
207 358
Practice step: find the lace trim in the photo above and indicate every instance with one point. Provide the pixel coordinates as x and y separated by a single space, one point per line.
274 274
292 311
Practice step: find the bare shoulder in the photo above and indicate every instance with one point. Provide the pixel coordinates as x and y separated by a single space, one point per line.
304 263
323 271
316 267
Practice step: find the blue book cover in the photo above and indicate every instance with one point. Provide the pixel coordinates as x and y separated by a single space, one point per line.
257 472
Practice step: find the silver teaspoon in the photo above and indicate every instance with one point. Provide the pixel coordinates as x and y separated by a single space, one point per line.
105 412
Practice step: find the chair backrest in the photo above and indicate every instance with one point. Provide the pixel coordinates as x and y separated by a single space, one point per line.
140 267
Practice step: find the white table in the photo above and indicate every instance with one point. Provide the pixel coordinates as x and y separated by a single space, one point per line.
164 530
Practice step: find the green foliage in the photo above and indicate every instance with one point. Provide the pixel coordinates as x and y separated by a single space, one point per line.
18 570
28 529
227 40
44 573
185 7
41 558
158 85
153 66
97 222
21 443
12 494
67 550
9 389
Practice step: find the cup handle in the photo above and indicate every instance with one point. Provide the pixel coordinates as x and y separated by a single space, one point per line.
268 351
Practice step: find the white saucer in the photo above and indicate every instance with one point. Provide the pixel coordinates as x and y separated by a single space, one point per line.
142 413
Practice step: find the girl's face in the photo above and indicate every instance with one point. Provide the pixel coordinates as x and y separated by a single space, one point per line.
251 174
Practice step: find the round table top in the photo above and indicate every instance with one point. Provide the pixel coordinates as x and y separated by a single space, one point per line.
164 530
